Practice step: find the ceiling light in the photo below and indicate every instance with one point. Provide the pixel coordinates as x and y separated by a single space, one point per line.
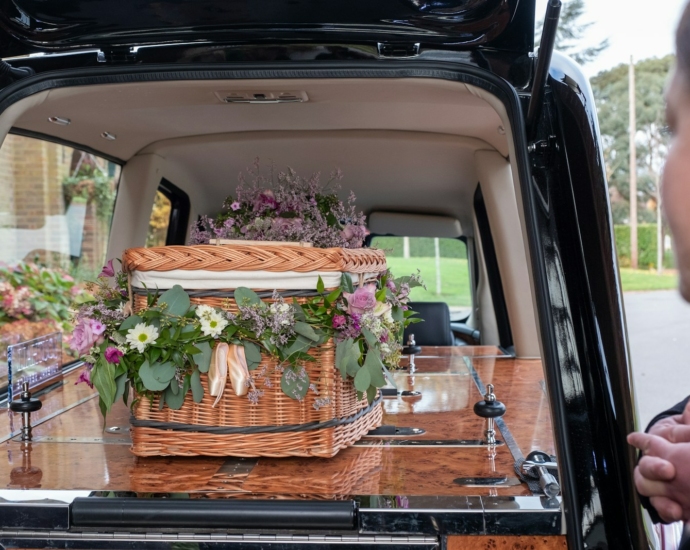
60 121
108 136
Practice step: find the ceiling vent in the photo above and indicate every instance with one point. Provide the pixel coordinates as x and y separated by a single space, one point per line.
262 97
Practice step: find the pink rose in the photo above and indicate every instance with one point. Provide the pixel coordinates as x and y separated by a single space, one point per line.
361 300
83 337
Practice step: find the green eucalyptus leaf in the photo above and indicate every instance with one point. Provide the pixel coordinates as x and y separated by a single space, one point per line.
362 379
244 296
342 355
130 322
203 359
252 354
299 311
305 330
197 389
176 301
352 365
371 394
300 344
163 372
373 363
346 283
175 400
295 382
174 386
150 382
369 336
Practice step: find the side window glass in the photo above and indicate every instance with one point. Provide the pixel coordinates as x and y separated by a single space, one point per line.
160 221
56 204
442 263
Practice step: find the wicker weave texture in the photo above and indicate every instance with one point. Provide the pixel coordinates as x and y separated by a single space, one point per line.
253 258
274 409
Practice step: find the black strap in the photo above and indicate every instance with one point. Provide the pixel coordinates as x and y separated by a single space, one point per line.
178 426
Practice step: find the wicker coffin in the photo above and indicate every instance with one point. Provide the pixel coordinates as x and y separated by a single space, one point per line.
277 426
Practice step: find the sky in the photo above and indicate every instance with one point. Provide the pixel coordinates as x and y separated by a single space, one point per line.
634 27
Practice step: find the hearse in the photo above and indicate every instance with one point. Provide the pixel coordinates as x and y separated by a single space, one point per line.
476 158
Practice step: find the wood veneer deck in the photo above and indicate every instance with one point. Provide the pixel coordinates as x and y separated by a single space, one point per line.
444 410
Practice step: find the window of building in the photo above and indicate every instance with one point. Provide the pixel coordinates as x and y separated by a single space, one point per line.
169 216
56 205
442 264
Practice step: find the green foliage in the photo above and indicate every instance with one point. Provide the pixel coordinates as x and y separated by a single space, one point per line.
168 344
48 294
646 246
611 92
571 31
91 185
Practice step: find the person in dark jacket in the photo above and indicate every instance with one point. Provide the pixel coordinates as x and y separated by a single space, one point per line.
663 472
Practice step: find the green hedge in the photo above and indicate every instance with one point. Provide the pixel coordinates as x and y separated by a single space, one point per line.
421 247
646 246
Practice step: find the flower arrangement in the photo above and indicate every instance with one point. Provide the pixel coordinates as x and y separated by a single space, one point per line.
294 209
163 349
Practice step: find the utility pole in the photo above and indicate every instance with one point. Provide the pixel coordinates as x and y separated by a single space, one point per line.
659 229
633 167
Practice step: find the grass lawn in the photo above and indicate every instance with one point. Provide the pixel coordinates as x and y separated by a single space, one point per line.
455 279
644 279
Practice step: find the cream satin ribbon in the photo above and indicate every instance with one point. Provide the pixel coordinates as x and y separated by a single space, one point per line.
228 361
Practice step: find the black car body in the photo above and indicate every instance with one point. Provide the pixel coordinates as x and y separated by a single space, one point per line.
559 159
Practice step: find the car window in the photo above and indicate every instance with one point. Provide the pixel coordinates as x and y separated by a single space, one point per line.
442 264
159 221
56 204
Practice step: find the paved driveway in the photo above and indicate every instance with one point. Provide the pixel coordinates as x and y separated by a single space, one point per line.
659 331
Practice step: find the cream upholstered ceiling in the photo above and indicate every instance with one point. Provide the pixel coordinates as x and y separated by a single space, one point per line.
403 144
140 114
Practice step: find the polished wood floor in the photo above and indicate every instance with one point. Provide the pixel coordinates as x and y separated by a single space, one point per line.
71 450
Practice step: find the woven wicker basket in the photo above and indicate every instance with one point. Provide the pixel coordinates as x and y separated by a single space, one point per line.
277 426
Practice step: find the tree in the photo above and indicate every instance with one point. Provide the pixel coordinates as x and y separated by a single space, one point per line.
611 94
571 31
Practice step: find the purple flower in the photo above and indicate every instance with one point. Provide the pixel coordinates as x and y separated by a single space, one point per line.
361 300
266 200
235 206
286 225
339 321
383 339
112 355
108 270
390 284
85 375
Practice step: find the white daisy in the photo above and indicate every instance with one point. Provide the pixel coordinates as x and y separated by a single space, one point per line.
203 310
141 336
213 324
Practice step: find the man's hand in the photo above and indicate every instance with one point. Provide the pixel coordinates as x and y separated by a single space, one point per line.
657 475
675 429
663 474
